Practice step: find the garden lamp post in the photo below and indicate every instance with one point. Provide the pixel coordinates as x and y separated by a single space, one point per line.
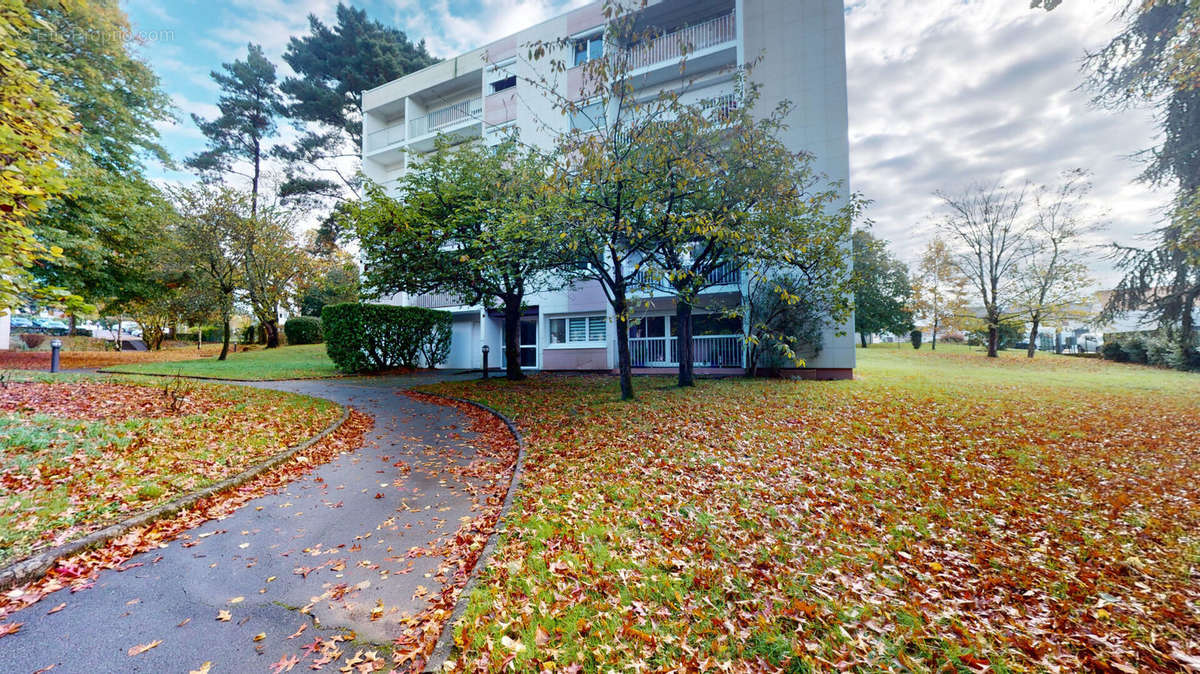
485 364
55 347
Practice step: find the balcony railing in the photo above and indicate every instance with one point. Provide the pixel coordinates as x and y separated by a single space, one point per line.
386 137
707 351
727 273
443 117
670 46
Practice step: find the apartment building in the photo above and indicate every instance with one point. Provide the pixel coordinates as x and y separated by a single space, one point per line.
478 95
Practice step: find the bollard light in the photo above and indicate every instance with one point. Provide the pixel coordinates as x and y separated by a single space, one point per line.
55 347
485 363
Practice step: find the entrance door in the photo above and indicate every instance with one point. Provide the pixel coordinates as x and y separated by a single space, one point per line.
528 334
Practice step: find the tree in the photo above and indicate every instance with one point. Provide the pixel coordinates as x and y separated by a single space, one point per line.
272 264
1153 60
989 243
207 238
1052 281
105 219
744 203
334 65
249 104
882 293
334 278
471 221
34 126
939 293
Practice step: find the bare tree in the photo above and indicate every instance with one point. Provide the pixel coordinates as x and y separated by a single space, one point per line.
1053 279
989 241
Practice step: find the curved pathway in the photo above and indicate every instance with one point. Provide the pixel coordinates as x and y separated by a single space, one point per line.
345 527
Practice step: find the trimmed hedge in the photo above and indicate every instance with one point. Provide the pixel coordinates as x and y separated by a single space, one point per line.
303 330
372 337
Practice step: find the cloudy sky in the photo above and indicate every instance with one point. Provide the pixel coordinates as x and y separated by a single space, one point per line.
943 93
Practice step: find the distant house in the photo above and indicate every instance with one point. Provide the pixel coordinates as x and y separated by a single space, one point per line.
480 94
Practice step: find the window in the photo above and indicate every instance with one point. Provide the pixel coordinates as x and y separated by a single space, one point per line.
578 330
506 83
587 117
589 48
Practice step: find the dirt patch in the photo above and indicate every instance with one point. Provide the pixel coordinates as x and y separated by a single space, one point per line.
97 401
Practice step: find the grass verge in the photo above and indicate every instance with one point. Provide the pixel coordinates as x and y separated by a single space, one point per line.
63 477
286 362
943 511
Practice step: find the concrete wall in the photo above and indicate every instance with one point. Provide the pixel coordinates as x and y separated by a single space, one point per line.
803 48
4 331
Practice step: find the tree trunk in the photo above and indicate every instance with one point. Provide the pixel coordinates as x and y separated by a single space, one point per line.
624 361
71 320
1033 335
933 346
684 346
512 339
862 336
993 345
271 330
224 338
1187 328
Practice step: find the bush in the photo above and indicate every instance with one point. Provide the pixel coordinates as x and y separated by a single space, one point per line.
1162 353
1113 351
915 337
1135 350
952 338
372 337
32 340
303 330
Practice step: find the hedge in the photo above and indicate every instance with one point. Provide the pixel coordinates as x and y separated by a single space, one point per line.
303 330
372 337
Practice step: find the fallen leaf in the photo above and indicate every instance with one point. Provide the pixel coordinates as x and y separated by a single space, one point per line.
138 650
224 616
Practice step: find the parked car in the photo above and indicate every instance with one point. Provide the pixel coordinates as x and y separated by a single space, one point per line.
19 322
52 326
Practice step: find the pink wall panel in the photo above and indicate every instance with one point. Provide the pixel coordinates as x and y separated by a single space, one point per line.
575 359
584 18
586 296
500 108
501 49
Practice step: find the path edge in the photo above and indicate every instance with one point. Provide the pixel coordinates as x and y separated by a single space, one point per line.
445 643
34 567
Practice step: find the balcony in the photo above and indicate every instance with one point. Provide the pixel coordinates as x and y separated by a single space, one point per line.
444 120
670 47
385 138
727 273
707 351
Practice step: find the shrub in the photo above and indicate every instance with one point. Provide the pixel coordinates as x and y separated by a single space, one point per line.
1135 350
1112 350
952 338
32 340
915 338
372 337
1162 353
303 330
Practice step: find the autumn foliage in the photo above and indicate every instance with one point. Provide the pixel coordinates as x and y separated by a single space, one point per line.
936 514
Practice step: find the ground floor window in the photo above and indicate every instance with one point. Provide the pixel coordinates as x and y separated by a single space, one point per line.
578 330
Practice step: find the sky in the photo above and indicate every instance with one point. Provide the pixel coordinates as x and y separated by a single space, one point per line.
943 94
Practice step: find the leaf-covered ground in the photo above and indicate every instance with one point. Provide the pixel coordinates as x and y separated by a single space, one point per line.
78 455
941 512
71 359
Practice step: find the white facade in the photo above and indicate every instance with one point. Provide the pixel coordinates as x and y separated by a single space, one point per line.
801 44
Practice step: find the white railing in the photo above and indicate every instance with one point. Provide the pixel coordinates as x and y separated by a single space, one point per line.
442 117
670 46
707 351
726 273
386 137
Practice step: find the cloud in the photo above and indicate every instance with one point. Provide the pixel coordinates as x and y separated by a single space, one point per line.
945 94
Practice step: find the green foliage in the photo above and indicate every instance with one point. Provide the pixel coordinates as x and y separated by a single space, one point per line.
882 292
332 279
34 125
303 330
915 337
374 337
1008 333
785 324
249 104
334 65
1134 349
1112 350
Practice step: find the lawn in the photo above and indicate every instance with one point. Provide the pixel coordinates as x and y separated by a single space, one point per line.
80 453
286 362
940 512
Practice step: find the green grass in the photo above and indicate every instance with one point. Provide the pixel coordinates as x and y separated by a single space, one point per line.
941 512
287 362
